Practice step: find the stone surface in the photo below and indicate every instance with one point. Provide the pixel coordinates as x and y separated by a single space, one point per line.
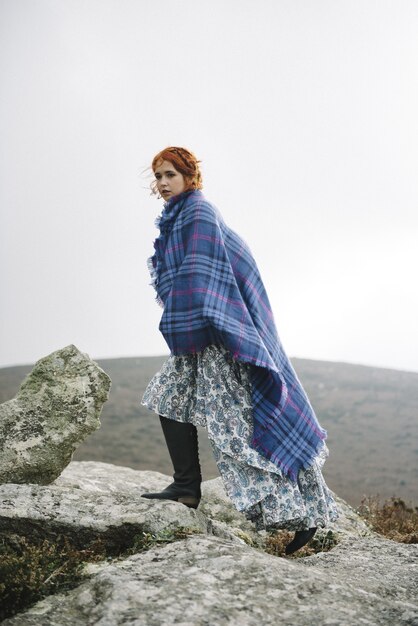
94 500
210 578
205 580
57 406
90 500
224 520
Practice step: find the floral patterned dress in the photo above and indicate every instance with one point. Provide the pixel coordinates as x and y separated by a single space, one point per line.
213 390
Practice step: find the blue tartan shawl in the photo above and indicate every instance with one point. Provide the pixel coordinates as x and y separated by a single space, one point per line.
212 293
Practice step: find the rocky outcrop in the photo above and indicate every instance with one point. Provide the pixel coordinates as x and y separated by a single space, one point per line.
219 576
93 501
207 580
57 406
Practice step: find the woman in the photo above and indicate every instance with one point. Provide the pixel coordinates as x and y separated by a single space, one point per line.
228 370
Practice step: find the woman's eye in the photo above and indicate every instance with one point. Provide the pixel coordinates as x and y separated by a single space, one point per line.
171 174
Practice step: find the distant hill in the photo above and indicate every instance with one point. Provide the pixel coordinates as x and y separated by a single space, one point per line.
371 415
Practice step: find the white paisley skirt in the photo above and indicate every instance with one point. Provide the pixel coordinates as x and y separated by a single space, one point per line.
213 390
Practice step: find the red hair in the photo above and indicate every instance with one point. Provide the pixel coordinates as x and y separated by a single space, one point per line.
184 162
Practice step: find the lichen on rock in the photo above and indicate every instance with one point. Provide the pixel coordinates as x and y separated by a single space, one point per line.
57 406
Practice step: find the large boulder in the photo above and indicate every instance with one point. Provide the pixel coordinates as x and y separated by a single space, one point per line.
94 501
213 577
57 406
91 500
205 579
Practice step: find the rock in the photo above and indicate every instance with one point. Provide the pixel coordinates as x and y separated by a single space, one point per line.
92 476
210 578
349 522
91 501
57 406
206 580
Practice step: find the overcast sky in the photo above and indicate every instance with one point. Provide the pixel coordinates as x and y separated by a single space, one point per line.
304 114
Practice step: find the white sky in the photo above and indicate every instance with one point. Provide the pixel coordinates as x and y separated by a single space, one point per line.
304 114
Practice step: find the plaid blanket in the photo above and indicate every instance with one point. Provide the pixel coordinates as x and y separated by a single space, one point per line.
209 284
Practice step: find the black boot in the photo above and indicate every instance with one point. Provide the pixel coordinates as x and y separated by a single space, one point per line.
182 444
300 539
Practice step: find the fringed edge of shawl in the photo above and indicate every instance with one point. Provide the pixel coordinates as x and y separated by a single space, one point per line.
293 474
154 279
317 452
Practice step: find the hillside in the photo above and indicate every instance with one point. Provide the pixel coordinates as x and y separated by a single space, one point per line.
370 415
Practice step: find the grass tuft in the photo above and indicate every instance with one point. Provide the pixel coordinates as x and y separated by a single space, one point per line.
146 541
31 570
322 541
393 519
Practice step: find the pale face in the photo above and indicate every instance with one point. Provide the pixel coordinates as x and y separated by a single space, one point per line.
169 181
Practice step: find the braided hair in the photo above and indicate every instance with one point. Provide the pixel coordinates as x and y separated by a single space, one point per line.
184 162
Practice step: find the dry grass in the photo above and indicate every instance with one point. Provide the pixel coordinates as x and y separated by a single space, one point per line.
322 541
31 570
393 519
